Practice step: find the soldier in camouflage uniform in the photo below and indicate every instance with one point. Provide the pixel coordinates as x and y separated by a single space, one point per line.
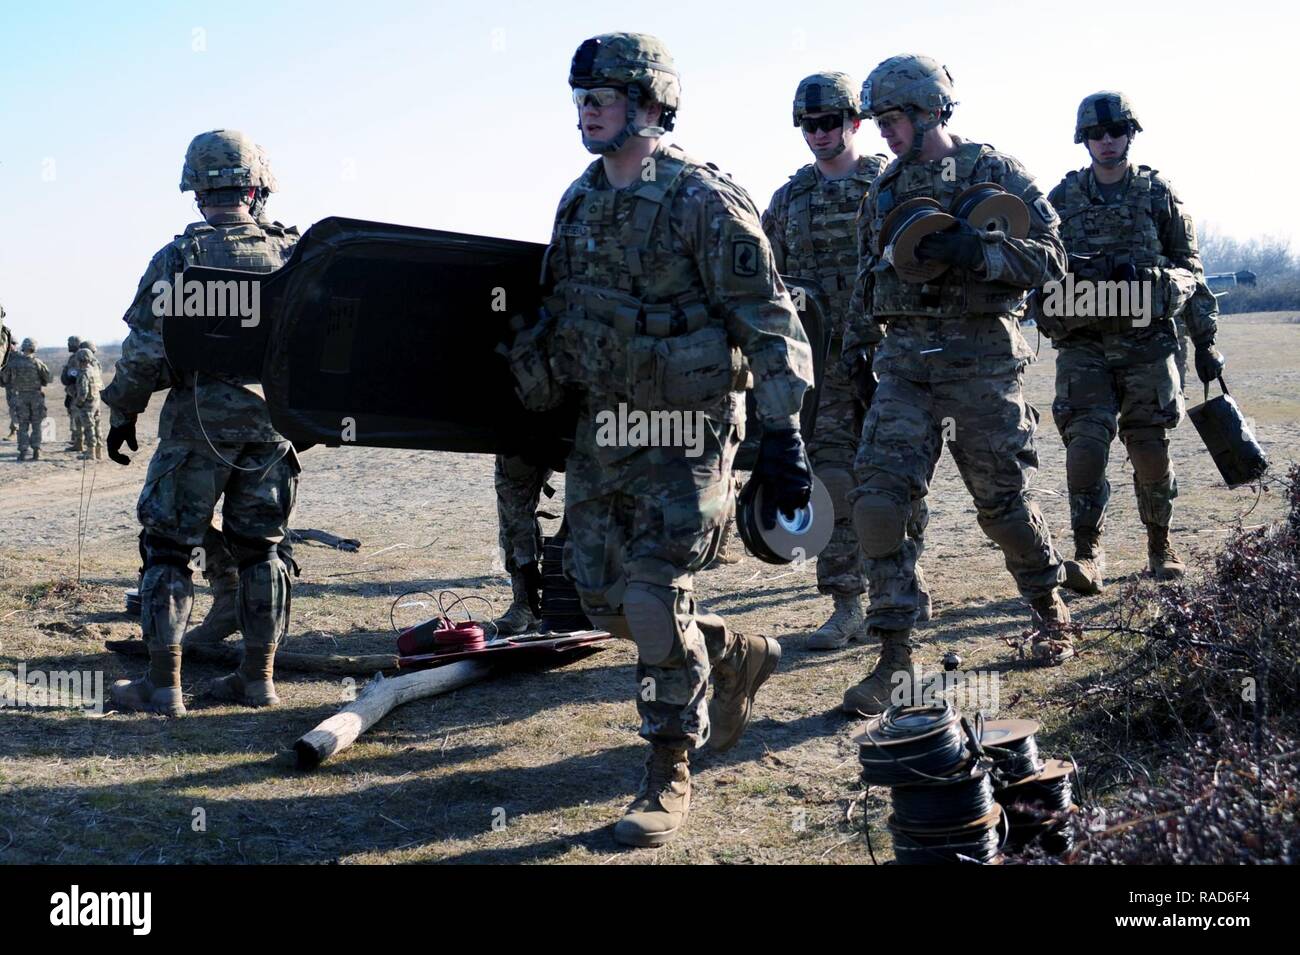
519 486
950 369
215 438
6 352
1118 373
26 375
85 403
811 224
68 378
659 280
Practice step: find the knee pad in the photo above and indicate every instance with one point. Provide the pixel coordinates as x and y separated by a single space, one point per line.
1085 462
166 598
1148 449
881 523
264 596
651 612
163 551
839 483
1022 531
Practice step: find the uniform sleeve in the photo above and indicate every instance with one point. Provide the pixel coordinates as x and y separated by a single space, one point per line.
1038 258
860 330
43 373
734 259
774 228
143 367
1178 241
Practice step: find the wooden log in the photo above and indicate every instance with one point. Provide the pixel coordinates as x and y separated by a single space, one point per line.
227 654
374 703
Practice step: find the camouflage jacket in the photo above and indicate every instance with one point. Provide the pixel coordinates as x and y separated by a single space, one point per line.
1146 226
812 225
664 293
89 382
225 408
964 323
68 376
6 342
25 375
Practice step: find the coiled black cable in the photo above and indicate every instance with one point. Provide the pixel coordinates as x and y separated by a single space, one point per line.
911 744
980 846
1036 809
1016 760
961 801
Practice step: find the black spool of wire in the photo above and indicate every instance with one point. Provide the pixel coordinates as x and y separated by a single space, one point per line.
1036 808
978 843
956 802
1011 745
912 744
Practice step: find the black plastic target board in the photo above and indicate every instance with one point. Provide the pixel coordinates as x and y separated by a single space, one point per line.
385 336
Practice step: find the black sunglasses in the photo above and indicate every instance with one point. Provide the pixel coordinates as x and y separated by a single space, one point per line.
1116 130
824 123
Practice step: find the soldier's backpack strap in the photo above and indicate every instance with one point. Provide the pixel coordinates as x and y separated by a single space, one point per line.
650 198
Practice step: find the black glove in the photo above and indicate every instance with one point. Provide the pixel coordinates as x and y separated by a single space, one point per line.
1209 362
123 433
959 244
531 574
1124 272
1091 268
67 401
783 473
863 378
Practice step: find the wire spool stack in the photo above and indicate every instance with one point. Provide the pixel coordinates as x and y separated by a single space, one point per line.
561 607
943 799
1035 793
902 231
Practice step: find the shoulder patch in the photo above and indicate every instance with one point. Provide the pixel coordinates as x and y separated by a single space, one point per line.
746 257
1045 210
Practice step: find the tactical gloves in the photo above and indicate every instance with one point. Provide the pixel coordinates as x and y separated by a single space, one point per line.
959 244
1209 362
783 473
117 436
863 377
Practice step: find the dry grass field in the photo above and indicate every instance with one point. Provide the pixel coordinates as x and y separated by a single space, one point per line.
554 756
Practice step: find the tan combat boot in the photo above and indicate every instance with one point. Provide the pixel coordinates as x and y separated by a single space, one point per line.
662 802
36 454
926 609
519 617
159 690
1083 575
1053 642
726 553
252 684
1163 559
893 672
736 679
223 619
846 623
99 452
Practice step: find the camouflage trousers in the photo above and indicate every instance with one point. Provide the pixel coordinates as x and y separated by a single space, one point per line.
13 412
1184 349
1095 400
29 414
519 490
74 422
640 528
86 433
988 427
832 451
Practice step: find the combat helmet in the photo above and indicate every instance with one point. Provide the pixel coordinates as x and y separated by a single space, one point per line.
227 159
1102 109
637 63
825 93
73 343
28 346
84 356
916 85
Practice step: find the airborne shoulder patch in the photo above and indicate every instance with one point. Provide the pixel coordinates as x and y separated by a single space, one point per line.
745 256
1045 210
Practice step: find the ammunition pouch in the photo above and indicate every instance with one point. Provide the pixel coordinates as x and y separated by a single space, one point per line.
537 388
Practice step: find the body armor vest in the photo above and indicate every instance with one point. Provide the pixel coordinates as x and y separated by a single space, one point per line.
24 375
632 318
820 231
954 293
1128 229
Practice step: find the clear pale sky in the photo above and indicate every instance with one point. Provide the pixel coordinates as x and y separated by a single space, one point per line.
456 115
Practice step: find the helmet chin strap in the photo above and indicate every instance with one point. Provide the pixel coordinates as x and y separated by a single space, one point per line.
830 152
630 129
919 129
1121 159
